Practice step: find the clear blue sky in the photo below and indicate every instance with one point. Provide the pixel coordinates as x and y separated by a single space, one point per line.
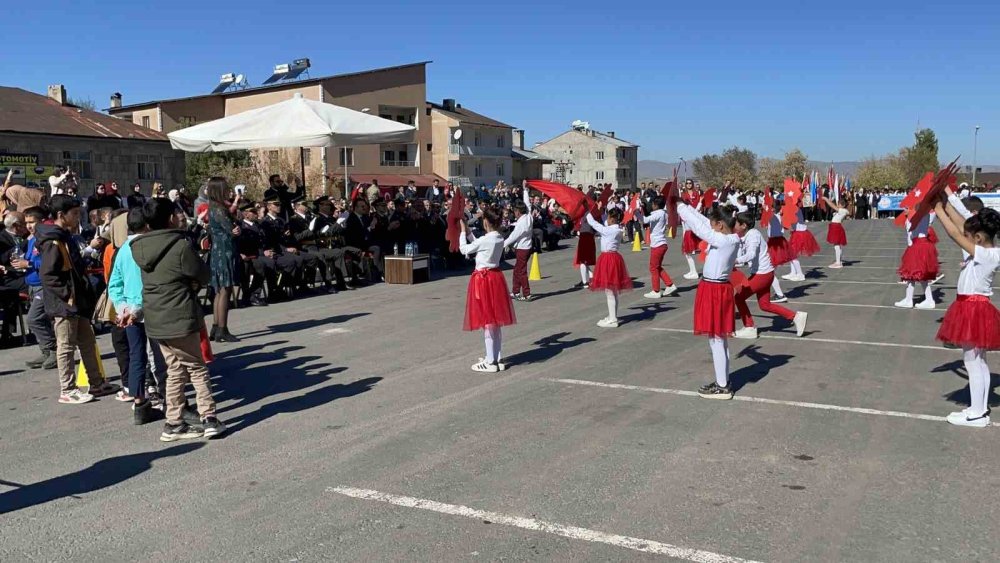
841 80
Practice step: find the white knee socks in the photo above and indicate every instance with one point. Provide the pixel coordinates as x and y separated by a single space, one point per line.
796 268
612 304
720 358
979 380
493 337
909 291
837 252
691 268
776 287
585 273
928 292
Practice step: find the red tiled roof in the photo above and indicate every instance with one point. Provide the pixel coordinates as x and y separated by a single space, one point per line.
26 112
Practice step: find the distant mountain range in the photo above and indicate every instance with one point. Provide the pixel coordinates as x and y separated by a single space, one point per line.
660 169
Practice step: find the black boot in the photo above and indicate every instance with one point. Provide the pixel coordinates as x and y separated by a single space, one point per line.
225 336
143 413
50 361
213 333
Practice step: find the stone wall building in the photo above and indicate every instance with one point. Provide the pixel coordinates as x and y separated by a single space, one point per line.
585 156
38 133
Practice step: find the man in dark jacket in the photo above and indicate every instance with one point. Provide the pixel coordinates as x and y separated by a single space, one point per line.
172 274
69 301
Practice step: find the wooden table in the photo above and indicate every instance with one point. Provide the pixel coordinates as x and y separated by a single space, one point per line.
408 270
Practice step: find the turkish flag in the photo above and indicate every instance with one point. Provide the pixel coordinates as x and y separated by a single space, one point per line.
789 211
455 216
572 200
672 196
942 179
707 200
767 210
633 206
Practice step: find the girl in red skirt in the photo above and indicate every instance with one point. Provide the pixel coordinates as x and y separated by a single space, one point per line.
972 322
803 243
753 253
919 264
586 254
611 275
713 302
836 235
689 244
488 304
779 251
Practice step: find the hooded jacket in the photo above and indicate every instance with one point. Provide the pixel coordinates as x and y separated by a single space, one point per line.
172 274
66 292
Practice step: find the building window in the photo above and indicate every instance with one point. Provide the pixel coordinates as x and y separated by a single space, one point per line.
500 142
600 175
388 156
306 157
478 139
479 170
272 157
599 155
500 171
347 157
385 116
149 166
79 162
145 121
455 168
186 121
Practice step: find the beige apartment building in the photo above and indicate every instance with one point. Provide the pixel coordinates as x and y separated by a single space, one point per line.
482 153
585 156
398 93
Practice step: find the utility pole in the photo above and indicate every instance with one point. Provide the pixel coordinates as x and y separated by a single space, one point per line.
975 150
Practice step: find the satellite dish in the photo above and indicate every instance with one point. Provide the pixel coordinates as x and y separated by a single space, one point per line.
458 134
240 78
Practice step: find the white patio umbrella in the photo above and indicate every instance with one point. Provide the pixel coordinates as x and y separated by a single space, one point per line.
297 122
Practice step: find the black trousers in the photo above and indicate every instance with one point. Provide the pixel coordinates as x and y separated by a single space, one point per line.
335 262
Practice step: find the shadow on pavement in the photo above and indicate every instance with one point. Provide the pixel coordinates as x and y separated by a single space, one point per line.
646 312
763 364
316 397
961 396
100 475
548 348
302 325
800 290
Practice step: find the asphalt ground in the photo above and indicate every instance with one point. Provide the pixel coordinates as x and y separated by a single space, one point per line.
359 433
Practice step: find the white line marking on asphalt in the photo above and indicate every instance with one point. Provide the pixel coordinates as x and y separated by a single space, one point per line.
572 532
824 280
797 302
336 330
818 406
827 340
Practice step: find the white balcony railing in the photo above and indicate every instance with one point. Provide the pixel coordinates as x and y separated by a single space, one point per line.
477 151
399 163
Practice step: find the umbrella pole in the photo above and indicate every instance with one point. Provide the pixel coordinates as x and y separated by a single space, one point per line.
302 165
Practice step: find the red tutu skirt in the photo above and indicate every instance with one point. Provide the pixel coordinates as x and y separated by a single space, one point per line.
714 307
690 243
488 301
836 234
780 251
611 273
971 322
804 243
932 235
586 250
919 262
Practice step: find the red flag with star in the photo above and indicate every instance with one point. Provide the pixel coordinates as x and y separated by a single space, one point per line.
767 210
790 208
913 197
942 179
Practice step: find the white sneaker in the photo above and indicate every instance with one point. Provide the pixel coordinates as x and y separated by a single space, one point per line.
653 295
781 299
608 323
75 397
669 291
800 322
789 276
798 278
485 367
747 332
500 365
926 304
691 276
836 266
962 419
904 304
